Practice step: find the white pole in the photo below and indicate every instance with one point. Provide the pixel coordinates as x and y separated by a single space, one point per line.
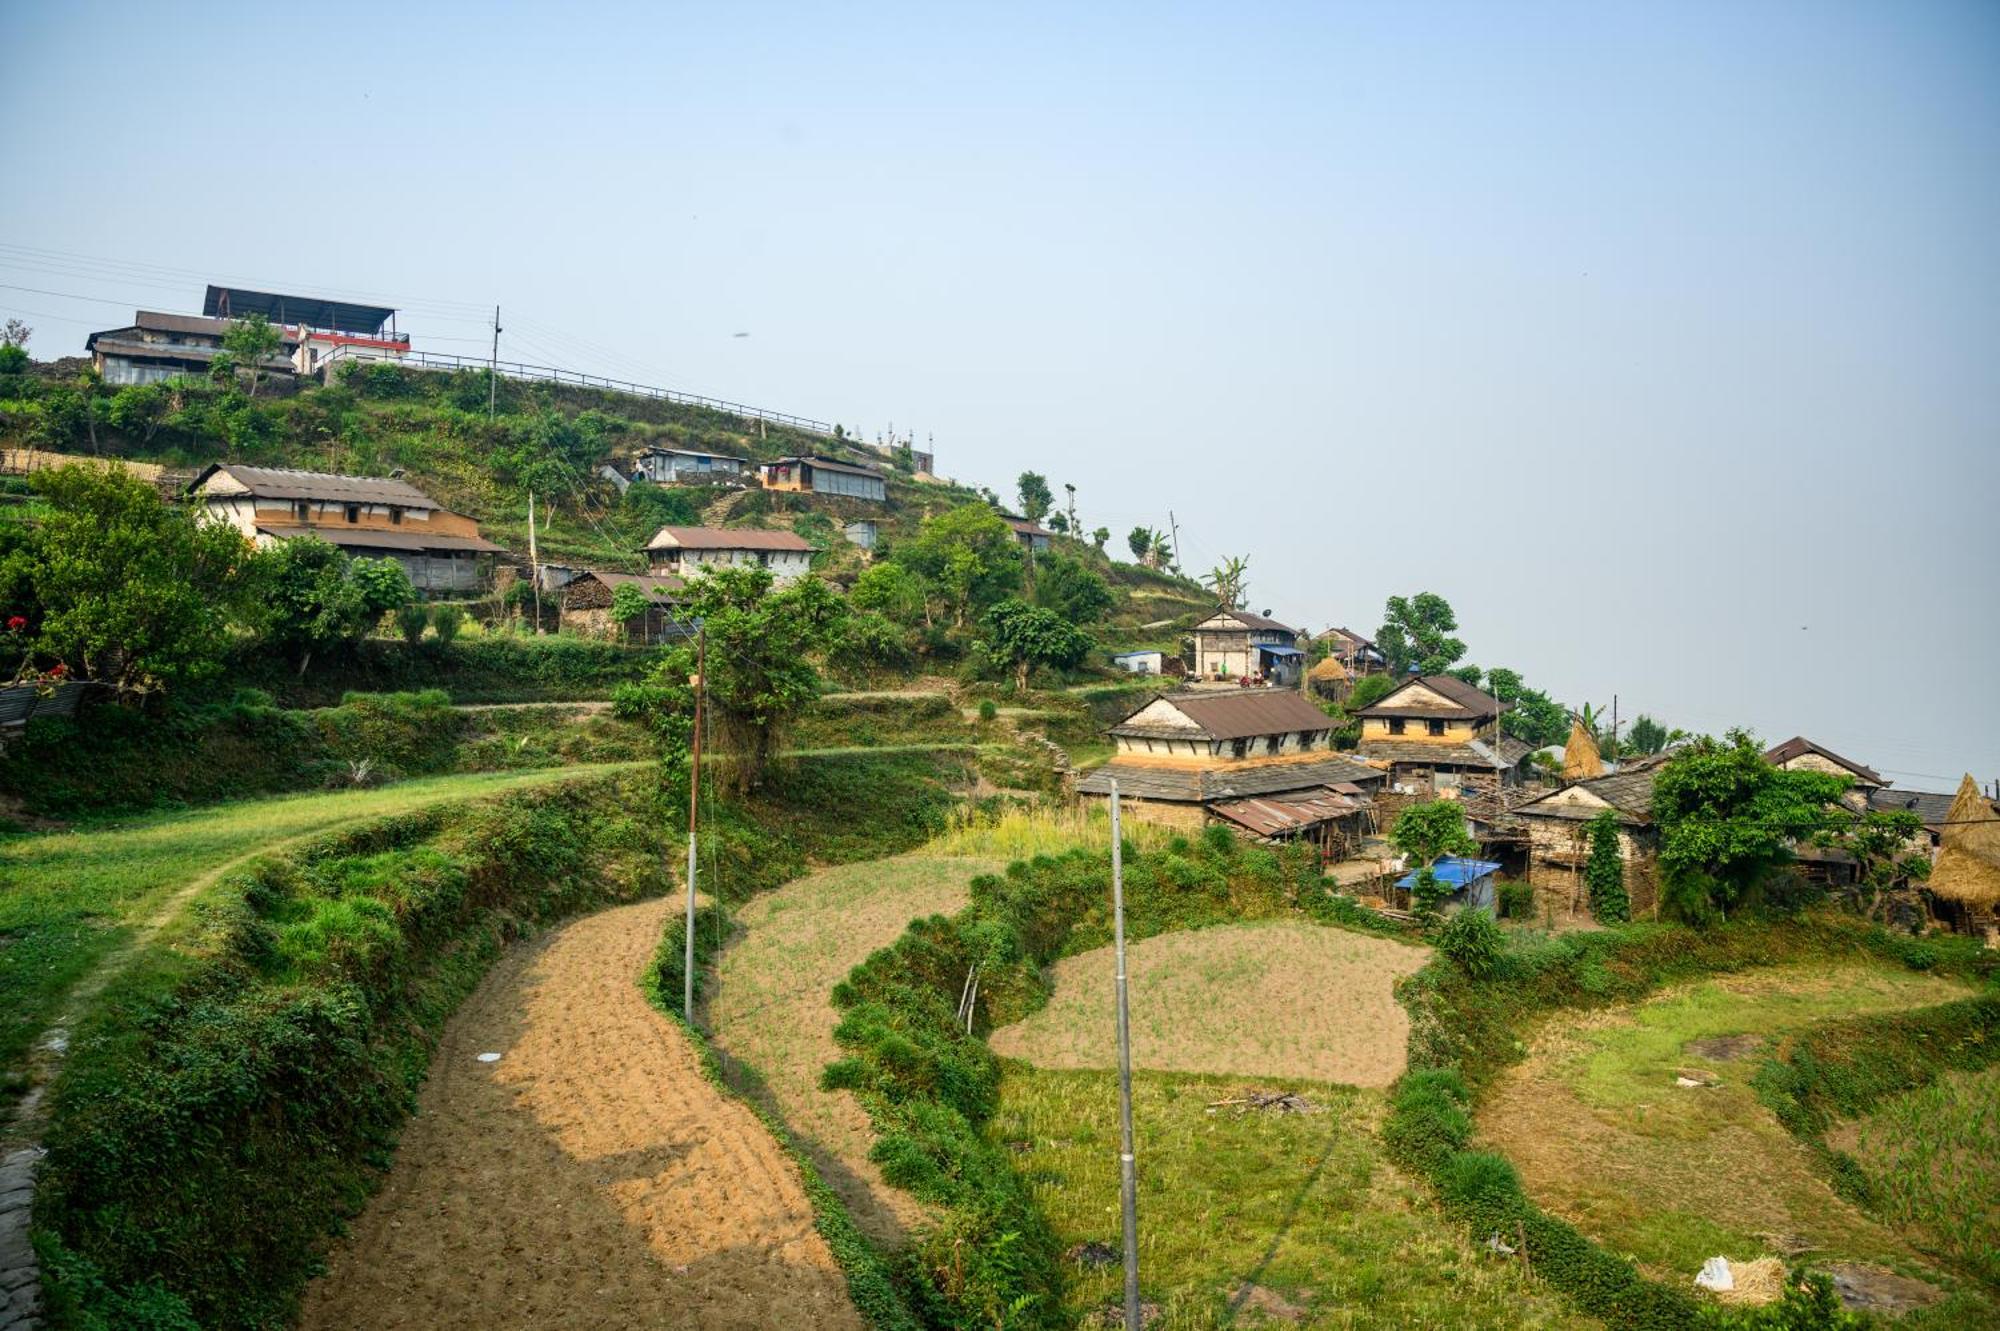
1128 1178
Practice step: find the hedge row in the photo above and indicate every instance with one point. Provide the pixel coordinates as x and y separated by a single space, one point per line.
1465 1030
235 1095
490 668
930 1086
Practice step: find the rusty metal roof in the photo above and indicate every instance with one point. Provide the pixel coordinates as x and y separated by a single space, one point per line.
1241 714
1195 785
1276 816
658 587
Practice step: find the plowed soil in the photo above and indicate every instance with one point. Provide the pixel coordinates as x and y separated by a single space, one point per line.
589 1177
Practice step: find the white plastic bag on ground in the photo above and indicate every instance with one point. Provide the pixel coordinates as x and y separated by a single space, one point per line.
1715 1275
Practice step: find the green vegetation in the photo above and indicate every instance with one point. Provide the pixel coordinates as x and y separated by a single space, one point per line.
1427 833
1604 874
1249 1217
1027 637
235 1094
1416 631
489 668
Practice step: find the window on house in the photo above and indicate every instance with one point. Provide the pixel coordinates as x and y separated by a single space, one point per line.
1395 725
354 512
302 510
1271 744
1434 727
1238 748
395 515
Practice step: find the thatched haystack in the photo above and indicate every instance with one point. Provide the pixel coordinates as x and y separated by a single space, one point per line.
1581 758
1968 863
1330 679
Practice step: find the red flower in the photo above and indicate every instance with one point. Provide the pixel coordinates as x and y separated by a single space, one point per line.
58 670
16 623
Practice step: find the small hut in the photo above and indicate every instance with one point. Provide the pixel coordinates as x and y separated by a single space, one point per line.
1966 876
1581 758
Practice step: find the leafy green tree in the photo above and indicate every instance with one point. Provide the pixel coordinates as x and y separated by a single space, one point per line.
628 603
1073 590
1604 872
1417 632
311 604
411 621
1469 674
250 342
1531 715
13 358
1059 524
1028 636
1648 736
968 558
1727 819
1036 497
644 508
1229 580
445 623
1427 833
1887 848
1140 542
133 593
889 589
868 641
1100 536
140 410
384 586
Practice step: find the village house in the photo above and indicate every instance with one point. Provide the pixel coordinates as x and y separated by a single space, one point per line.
587 601
1236 644
1258 761
156 347
824 476
1436 734
1799 754
1557 830
680 466
1356 654
1034 537
862 534
313 333
375 517
1140 663
686 551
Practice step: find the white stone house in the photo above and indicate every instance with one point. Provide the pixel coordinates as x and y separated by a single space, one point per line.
687 551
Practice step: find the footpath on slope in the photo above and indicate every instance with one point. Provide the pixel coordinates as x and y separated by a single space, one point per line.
772 1008
591 1176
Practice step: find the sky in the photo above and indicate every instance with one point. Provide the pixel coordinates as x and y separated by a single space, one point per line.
1663 340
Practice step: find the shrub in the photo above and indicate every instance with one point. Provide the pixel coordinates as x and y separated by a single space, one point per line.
1605 872
988 709
445 621
1517 901
411 620
1473 941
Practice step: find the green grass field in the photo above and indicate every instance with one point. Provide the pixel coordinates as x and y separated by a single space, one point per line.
1252 1218
74 896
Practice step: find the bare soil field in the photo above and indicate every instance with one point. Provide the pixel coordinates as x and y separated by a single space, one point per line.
1639 1124
1279 998
772 1009
588 1177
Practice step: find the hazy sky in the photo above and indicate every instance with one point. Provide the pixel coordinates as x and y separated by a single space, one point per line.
1663 340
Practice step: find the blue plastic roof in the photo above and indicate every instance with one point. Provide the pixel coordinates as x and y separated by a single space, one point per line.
1455 871
1280 651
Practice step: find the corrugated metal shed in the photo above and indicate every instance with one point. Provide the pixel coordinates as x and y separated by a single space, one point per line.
1283 816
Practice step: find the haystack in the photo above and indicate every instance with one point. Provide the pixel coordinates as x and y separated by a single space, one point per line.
1580 756
1968 863
1329 668
1329 679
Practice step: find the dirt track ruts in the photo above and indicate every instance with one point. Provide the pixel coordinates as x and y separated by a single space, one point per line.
590 1177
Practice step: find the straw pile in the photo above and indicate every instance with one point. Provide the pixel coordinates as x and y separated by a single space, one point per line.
1968 862
1757 1283
1580 756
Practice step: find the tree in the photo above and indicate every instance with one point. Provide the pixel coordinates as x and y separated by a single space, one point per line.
250 342
1886 847
1592 719
1416 632
1648 736
968 558
1073 590
411 621
1036 498
627 604
1100 536
1228 580
15 333
384 586
1427 833
133 593
891 590
1140 542
1059 524
445 622
1029 636
13 358
1604 873
315 599
1727 818
1531 716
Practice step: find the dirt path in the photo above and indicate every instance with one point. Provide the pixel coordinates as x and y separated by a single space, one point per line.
772 1007
590 1177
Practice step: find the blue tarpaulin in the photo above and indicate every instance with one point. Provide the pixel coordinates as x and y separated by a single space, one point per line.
1455 871
1280 651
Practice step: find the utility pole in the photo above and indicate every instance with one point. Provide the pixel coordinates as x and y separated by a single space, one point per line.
1128 1174
1074 531
1175 528
694 806
493 369
1614 727
534 564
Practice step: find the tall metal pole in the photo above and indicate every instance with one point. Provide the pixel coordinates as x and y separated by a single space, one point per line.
1128 1174
694 798
493 367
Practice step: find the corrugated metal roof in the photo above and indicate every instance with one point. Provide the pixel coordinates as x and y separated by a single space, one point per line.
1273 816
284 483
379 538
1240 714
1465 702
1195 785
319 311
1253 621
726 538
826 464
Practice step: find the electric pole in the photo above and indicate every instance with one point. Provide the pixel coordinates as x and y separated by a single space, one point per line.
493 369
534 564
694 806
1175 528
1128 1174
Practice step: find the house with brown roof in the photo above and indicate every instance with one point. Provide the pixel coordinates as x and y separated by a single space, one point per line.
377 517
587 601
1799 754
1033 536
1236 644
813 474
1356 654
684 552
156 347
1436 734
1557 829
1260 761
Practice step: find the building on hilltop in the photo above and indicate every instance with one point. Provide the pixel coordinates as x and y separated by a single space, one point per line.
1236 644
1033 536
680 466
686 551
812 474
1257 761
372 516
1436 734
156 347
313 333
587 601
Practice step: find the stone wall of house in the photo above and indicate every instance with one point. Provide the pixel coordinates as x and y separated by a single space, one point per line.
1166 813
1559 848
